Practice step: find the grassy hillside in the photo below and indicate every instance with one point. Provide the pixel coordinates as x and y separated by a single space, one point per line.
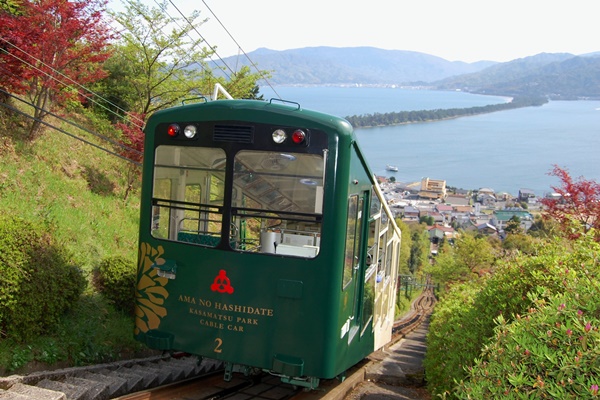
77 192
74 188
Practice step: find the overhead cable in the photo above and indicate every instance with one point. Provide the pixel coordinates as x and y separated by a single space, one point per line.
64 76
125 147
242 50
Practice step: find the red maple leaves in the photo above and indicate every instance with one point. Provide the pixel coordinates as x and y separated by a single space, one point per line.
574 201
50 49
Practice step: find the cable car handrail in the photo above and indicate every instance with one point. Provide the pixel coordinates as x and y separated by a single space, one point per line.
309 217
285 101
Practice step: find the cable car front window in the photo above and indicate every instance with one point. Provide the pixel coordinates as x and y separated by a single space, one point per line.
188 194
278 202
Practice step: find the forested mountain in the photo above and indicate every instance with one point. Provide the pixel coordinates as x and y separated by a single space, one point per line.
353 65
502 72
556 76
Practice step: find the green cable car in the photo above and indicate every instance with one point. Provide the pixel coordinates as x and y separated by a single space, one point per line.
265 241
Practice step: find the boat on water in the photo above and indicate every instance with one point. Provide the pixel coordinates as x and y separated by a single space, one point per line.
392 168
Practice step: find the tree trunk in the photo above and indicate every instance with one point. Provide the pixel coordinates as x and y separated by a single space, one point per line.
40 103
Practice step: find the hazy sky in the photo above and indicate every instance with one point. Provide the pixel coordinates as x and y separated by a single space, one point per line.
456 30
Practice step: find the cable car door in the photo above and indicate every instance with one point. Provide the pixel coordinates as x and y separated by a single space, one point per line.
352 263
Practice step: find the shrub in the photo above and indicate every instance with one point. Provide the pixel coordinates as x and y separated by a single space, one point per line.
506 294
551 352
451 340
115 279
37 282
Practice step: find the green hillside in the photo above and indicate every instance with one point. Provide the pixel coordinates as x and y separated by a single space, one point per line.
76 189
77 193
555 76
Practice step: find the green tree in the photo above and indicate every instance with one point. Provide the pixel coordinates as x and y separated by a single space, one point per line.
157 62
520 242
469 257
405 246
10 6
163 62
426 219
419 250
476 254
543 227
446 269
513 225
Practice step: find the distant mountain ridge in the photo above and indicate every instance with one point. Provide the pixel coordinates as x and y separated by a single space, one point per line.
354 65
554 75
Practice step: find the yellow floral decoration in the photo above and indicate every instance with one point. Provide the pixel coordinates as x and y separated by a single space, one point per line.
151 292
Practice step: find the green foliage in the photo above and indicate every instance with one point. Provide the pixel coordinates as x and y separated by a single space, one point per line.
514 225
90 333
553 350
9 6
71 190
452 338
469 257
543 228
157 64
521 242
38 282
405 246
427 220
60 182
115 279
419 250
446 267
476 254
511 292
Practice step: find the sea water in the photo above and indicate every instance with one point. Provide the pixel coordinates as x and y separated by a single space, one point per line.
504 150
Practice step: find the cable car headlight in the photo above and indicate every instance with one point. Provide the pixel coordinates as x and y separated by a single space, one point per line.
173 130
298 136
190 131
279 136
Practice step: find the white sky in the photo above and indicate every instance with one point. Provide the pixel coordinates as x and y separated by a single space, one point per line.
456 30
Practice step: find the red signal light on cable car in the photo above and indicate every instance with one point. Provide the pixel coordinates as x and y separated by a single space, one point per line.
298 136
173 130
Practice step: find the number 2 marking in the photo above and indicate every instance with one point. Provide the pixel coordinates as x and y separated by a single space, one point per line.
219 343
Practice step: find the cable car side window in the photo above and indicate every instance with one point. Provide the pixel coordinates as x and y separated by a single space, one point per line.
277 202
351 228
188 193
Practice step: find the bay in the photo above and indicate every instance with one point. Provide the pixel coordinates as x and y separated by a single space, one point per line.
347 101
504 151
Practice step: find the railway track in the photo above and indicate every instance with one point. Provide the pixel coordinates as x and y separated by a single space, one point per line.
420 308
180 376
106 381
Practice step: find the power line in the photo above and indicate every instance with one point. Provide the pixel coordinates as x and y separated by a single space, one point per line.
125 147
165 10
242 50
70 83
63 75
262 75
201 37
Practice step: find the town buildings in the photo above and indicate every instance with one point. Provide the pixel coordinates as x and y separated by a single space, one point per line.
483 210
